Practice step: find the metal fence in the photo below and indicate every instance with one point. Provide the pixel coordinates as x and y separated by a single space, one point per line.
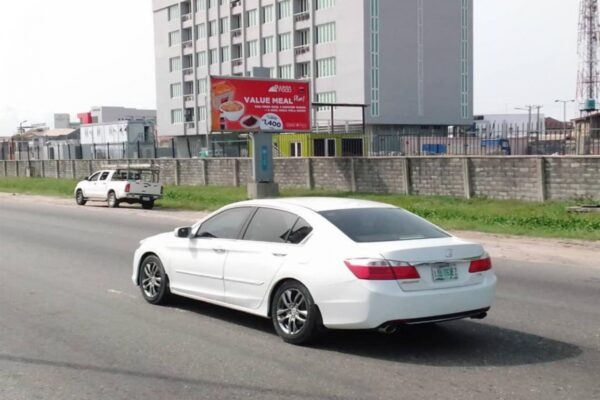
321 145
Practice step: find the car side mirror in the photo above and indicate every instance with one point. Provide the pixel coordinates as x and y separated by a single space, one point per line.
183 232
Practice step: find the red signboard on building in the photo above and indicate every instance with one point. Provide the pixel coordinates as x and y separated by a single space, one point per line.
259 105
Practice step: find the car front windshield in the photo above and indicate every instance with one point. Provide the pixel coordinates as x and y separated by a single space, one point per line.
367 225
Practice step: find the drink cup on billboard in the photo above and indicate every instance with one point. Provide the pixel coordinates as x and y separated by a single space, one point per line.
232 110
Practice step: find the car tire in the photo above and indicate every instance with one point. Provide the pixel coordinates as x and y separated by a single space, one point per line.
148 205
154 282
295 316
79 199
112 200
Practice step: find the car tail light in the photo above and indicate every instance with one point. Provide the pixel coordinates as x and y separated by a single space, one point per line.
127 188
381 270
483 264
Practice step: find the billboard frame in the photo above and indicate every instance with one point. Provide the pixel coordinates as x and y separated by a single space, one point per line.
209 98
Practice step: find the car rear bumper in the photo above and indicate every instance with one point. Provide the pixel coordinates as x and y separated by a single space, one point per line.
369 305
141 197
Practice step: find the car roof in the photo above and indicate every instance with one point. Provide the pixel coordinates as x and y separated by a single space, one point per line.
317 204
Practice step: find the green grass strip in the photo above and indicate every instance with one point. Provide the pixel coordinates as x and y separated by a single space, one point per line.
493 216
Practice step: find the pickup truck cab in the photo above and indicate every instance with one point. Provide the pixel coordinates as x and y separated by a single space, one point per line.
121 185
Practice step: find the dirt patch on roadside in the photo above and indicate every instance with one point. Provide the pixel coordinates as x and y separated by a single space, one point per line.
538 250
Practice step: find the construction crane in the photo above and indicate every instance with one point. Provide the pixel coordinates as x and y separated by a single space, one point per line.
588 80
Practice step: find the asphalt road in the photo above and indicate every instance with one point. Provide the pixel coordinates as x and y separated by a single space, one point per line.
72 326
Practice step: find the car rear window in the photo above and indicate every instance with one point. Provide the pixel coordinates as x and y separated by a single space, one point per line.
366 225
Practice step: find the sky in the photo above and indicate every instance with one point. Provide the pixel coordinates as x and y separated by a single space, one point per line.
65 56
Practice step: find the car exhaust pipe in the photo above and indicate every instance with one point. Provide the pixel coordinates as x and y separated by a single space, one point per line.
479 316
387 329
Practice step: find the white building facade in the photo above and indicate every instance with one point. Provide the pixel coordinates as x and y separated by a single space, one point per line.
410 61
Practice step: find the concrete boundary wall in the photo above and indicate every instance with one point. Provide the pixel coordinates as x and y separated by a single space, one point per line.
529 178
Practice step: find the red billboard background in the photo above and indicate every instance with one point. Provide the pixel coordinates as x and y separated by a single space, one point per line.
259 105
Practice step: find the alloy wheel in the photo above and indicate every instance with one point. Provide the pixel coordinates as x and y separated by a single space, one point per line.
292 311
151 279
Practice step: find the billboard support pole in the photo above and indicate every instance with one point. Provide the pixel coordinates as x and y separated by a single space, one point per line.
263 183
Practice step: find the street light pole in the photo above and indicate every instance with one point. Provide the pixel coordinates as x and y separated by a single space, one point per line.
564 112
21 132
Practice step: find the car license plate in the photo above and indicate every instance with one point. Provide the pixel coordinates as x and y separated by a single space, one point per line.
444 272
146 198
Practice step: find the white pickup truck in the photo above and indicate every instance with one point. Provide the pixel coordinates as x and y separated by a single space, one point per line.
121 185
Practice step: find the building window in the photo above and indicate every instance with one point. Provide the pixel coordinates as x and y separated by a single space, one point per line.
284 9
225 52
303 70
464 60
325 33
326 67
223 25
212 28
213 57
301 6
212 3
173 12
268 45
296 149
174 64
174 38
303 37
202 86
236 51
200 5
374 5
272 72
202 113
200 31
285 41
323 4
251 18
267 14
252 48
201 59
175 90
177 116
326 97
285 72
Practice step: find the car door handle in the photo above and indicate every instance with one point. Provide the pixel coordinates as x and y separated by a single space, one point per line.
279 254
219 251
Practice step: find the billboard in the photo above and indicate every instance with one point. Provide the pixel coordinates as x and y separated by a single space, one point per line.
259 105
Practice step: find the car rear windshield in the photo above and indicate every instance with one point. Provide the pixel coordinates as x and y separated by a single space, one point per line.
366 225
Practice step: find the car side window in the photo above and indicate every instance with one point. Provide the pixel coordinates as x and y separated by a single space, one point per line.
94 177
104 176
299 232
270 225
225 225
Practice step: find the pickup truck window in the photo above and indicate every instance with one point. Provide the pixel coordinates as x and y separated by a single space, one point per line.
104 176
94 177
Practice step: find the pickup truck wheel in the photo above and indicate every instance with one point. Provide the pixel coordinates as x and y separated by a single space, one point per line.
79 198
112 200
154 282
148 205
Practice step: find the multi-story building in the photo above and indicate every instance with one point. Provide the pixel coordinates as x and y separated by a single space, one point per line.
410 61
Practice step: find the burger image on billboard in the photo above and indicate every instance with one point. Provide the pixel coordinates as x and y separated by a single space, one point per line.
232 110
222 92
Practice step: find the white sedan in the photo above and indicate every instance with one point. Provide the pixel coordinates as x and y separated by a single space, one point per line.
309 263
